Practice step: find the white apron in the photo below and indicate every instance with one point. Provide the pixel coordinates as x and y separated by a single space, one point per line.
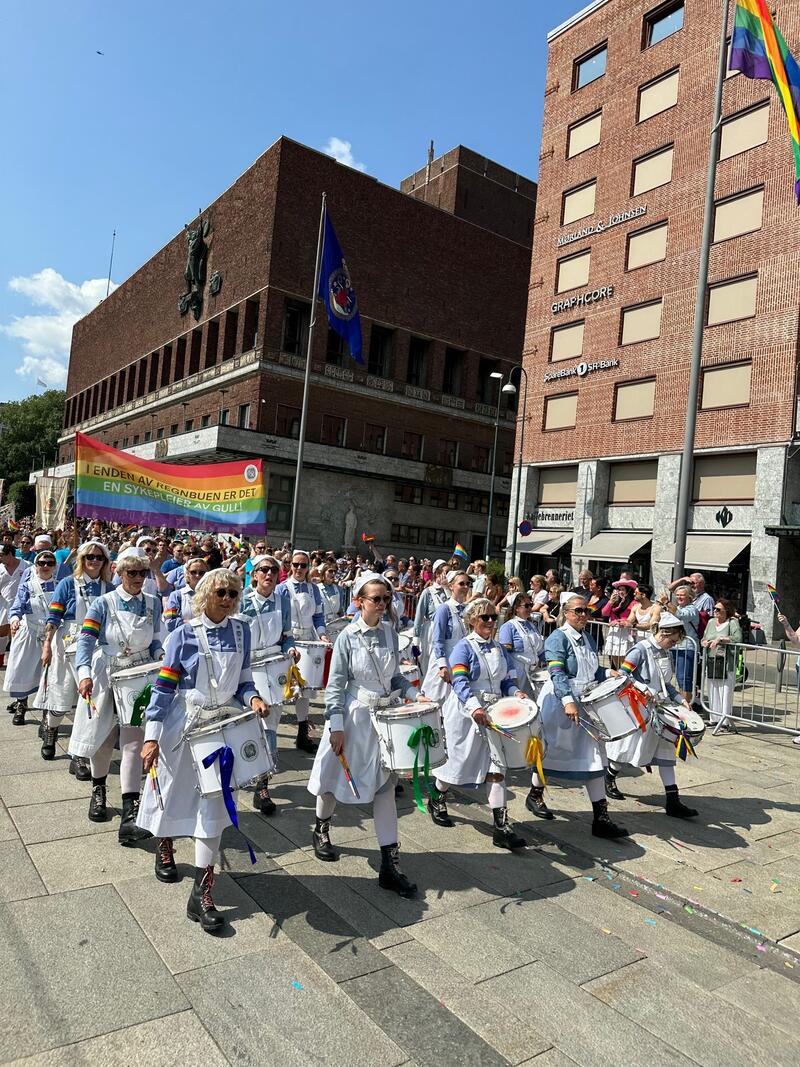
432 685
304 607
128 638
469 758
58 692
186 813
24 670
331 603
438 596
9 584
186 598
570 751
371 669
641 749
527 662
266 630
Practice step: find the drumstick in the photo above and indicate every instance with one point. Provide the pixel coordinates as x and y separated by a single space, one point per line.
500 730
348 775
156 786
90 706
583 726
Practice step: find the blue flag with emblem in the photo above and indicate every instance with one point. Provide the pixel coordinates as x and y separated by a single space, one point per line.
336 291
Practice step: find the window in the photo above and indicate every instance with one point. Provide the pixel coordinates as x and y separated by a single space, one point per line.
407 494
480 458
566 342
229 332
380 351
417 372
287 421
160 434
412 445
640 323
279 501
476 503
166 365
440 538
633 483
634 400
726 387
487 385
723 479
738 214
205 421
173 429
558 485
337 351
731 301
212 343
194 351
406 535
448 453
744 131
560 411
244 416
224 416
652 171
663 22
180 359
453 371
589 67
583 135
578 203
250 334
125 441
647 246
295 328
333 430
443 498
136 439
658 96
573 271
148 436
188 425
374 439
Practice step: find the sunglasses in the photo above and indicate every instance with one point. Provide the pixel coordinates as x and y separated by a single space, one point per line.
46 562
198 574
26 544
149 548
137 574
225 594
268 570
578 611
378 599
299 564
94 559
487 618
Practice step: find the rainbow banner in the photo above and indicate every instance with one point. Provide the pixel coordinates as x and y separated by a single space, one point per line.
212 497
759 51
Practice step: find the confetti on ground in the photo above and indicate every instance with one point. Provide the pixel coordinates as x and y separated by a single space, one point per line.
650 922
615 885
688 910
588 878
633 893
753 930
697 887
605 931
789 965
774 888
661 896
760 948
746 890
296 984
735 879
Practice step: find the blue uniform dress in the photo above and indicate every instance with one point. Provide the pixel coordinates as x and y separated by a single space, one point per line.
522 639
270 622
570 752
482 672
182 694
650 664
178 608
24 670
446 631
429 600
364 675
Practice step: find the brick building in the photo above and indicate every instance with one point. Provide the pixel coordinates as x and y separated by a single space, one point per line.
627 116
406 441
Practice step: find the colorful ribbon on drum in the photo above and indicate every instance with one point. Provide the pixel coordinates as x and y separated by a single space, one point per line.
140 703
683 746
225 756
425 737
534 751
636 700
294 680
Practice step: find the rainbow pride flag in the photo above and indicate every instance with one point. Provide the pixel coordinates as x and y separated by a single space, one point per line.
461 552
212 497
759 51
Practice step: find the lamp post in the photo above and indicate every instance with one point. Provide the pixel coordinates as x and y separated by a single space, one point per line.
510 390
497 375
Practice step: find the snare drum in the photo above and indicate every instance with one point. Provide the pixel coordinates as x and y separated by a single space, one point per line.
128 684
520 719
537 680
395 725
404 640
611 711
411 674
243 735
334 627
269 675
668 717
311 664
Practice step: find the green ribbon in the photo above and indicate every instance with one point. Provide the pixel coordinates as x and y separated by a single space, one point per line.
140 703
423 735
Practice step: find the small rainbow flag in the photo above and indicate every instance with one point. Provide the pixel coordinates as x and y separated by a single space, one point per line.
12 525
461 552
367 538
759 51
773 594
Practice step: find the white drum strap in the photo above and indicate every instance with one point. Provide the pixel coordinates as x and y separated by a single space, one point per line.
37 593
205 649
656 674
487 674
378 672
457 624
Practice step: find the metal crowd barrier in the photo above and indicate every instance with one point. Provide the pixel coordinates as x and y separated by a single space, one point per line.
762 689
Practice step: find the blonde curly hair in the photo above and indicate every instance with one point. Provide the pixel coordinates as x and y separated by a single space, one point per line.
220 578
480 606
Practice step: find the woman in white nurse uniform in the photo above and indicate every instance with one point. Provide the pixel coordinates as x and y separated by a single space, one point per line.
27 618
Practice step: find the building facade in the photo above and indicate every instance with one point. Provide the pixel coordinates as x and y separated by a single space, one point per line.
199 356
625 143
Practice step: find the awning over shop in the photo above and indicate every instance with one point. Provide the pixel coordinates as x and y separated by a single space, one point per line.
542 542
710 552
614 546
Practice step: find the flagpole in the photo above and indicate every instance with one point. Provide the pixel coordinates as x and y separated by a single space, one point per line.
309 349
687 460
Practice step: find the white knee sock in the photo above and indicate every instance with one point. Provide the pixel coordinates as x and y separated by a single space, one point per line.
536 782
326 805
441 786
384 812
496 792
667 772
101 760
596 788
55 718
206 851
131 739
301 709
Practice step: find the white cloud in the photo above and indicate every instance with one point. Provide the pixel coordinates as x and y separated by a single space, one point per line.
46 338
342 152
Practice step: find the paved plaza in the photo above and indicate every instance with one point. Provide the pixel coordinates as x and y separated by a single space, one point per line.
681 947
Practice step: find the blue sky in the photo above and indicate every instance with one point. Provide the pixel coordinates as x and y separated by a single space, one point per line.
186 96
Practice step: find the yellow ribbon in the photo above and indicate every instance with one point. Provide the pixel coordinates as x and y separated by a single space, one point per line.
534 751
293 679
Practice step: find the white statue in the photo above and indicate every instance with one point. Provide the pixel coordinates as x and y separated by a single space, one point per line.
350 523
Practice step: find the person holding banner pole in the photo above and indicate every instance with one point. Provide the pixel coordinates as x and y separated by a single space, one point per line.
308 624
121 630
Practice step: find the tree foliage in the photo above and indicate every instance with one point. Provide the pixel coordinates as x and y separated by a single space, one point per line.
29 432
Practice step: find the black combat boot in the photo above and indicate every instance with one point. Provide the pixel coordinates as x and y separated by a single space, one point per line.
166 871
323 849
612 792
535 804
502 834
602 826
390 876
129 832
437 807
675 807
304 741
79 766
49 738
19 713
98 812
262 801
200 908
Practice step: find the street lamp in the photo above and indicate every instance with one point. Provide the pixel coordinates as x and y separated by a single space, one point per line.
509 389
497 375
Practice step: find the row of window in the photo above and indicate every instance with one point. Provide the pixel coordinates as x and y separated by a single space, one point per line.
475 503
425 537
657 25
722 387
718 479
243 421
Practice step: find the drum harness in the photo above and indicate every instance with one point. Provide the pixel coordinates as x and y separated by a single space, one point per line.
37 594
366 696
207 713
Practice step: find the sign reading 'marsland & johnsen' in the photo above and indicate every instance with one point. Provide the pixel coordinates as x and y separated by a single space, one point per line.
617 219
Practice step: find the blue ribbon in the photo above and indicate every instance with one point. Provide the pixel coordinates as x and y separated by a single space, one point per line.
225 757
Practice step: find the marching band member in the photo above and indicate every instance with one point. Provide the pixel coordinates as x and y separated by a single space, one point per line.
120 627
179 602
12 569
333 599
649 661
209 655
58 691
308 624
522 639
570 752
27 620
364 675
429 600
482 672
269 616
